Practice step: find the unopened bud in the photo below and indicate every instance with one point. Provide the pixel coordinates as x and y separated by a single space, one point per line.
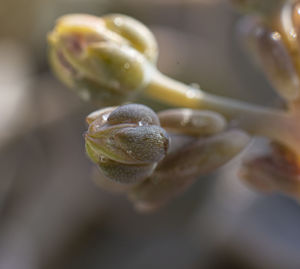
192 121
181 168
270 51
276 170
136 33
296 20
105 58
287 21
126 143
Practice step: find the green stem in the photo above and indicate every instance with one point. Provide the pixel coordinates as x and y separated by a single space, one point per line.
256 120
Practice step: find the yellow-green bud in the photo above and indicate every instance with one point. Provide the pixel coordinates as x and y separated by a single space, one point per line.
126 142
136 33
103 58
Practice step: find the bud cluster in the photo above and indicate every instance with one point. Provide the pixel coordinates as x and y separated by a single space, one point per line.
153 157
200 142
140 152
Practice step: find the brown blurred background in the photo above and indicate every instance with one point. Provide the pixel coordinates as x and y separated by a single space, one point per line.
52 215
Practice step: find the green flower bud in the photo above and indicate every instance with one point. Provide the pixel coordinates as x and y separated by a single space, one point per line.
126 142
103 58
192 122
275 170
181 168
271 52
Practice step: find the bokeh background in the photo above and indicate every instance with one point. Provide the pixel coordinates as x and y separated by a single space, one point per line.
52 215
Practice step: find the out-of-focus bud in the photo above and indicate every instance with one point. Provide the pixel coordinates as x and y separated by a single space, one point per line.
276 170
270 51
260 6
136 33
194 159
103 58
126 142
295 10
287 22
192 122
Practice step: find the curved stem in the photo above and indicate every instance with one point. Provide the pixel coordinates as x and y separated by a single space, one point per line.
274 124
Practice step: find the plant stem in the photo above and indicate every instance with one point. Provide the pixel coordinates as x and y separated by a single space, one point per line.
275 124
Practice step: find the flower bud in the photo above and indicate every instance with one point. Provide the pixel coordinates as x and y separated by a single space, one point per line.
137 34
103 58
287 23
276 170
270 51
295 16
182 167
126 142
192 121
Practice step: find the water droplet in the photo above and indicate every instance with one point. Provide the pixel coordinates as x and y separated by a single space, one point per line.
105 117
190 94
195 85
118 21
126 65
140 123
275 36
186 117
293 34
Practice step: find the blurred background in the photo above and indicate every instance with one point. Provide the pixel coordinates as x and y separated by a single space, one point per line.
52 215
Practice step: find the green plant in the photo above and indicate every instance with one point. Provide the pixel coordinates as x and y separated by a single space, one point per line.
111 60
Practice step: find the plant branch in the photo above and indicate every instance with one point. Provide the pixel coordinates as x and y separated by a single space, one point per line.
275 124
